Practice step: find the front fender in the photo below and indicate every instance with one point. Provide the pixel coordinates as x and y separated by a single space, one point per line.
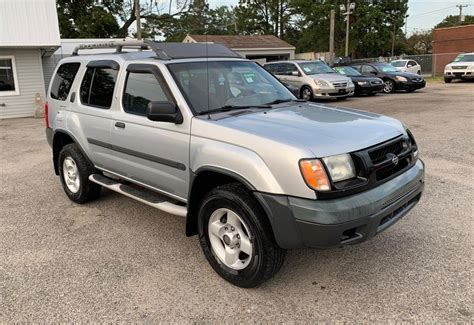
238 161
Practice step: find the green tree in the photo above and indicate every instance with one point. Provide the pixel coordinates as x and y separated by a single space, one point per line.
87 19
419 42
451 21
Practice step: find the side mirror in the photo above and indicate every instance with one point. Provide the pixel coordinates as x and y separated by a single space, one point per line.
296 73
164 112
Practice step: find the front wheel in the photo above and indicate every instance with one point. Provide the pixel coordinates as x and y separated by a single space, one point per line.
306 93
388 86
236 237
447 80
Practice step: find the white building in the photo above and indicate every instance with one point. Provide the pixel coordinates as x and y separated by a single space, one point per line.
29 31
260 48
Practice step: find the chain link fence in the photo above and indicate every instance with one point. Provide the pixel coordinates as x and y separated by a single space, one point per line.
431 64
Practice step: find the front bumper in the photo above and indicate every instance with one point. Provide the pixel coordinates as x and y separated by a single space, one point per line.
459 74
407 85
368 89
331 92
299 223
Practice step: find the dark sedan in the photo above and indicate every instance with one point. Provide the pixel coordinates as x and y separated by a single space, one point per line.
393 79
363 84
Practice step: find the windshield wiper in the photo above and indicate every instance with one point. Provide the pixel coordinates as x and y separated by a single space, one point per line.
227 108
286 100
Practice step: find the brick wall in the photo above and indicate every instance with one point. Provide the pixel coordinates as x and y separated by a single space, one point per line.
449 42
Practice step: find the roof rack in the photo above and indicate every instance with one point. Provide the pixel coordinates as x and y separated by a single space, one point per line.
166 51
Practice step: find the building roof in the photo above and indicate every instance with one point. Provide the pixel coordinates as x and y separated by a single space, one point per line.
27 23
244 41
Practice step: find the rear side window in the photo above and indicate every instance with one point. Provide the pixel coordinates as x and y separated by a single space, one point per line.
97 88
142 88
63 80
270 68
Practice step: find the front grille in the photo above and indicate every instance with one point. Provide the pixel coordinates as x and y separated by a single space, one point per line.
380 154
339 84
459 67
416 79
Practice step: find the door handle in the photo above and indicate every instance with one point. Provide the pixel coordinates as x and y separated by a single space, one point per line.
120 125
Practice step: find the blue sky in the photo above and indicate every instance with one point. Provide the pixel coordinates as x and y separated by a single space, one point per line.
423 14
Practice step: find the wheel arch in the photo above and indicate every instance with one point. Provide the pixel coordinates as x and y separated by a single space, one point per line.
202 181
60 139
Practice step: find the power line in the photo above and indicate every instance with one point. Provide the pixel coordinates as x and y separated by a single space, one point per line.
431 12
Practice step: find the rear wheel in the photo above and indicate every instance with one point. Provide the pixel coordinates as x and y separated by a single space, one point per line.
236 237
388 86
447 80
306 93
74 172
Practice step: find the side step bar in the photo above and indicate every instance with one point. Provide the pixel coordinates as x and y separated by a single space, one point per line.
143 195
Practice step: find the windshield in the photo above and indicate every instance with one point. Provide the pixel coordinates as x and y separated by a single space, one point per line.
386 67
315 67
347 71
398 64
464 58
216 84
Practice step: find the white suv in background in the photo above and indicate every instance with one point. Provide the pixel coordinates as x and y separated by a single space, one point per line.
462 67
315 79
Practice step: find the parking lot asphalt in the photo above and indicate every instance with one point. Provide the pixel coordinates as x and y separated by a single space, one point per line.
116 259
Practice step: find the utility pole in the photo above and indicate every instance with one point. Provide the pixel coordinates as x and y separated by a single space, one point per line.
331 35
349 8
460 11
393 38
137 18
406 25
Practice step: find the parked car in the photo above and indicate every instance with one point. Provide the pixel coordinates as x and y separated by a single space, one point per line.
253 170
407 66
363 84
294 90
462 67
393 79
315 79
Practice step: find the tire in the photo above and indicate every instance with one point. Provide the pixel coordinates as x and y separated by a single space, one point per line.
231 210
74 172
447 80
307 93
389 86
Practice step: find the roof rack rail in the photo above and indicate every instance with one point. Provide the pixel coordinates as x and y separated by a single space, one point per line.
118 45
165 51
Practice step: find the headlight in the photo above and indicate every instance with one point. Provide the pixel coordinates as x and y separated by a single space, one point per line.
362 83
314 174
321 83
340 167
400 78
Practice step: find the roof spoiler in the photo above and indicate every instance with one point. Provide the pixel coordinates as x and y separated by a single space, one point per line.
165 51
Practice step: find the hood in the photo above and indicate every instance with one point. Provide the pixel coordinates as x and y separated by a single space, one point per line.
324 130
459 64
408 75
365 78
331 77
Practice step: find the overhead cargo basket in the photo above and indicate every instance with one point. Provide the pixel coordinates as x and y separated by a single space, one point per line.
166 51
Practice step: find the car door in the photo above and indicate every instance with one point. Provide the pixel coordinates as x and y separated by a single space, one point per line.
293 76
91 117
413 67
155 154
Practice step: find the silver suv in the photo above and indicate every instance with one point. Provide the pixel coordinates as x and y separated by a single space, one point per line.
196 131
315 79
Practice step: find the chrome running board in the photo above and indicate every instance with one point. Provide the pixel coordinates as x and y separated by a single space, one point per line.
140 194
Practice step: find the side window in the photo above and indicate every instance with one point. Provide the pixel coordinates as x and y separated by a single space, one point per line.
63 80
97 88
290 68
270 68
357 67
368 69
411 63
140 89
